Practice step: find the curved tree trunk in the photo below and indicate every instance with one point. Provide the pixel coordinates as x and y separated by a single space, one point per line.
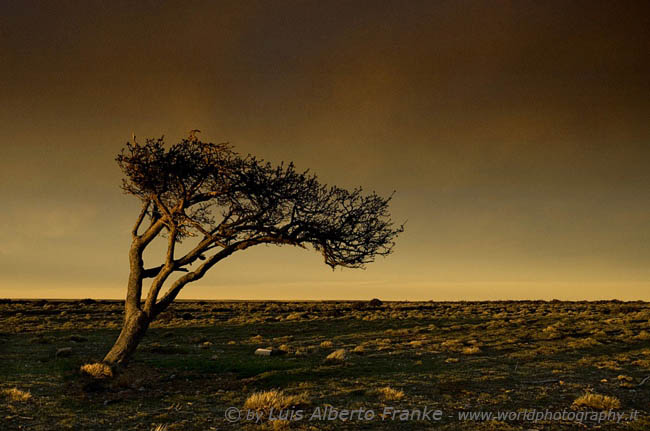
136 321
135 325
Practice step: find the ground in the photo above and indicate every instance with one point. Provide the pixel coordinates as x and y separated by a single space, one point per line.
456 357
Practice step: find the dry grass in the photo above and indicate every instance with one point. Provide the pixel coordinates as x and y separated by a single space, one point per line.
597 401
473 350
256 339
327 344
643 335
17 395
294 316
389 394
336 356
417 348
97 370
265 400
582 343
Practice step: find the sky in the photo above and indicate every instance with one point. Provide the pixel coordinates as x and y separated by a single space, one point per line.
515 133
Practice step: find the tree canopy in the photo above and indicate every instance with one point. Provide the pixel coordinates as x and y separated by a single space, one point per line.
231 202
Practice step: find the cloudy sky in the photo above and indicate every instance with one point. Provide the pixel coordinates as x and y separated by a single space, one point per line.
516 134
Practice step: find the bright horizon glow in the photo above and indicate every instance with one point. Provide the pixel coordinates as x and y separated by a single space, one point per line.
483 291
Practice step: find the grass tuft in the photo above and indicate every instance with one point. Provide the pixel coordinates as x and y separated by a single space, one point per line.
97 370
473 350
16 395
276 399
337 356
597 401
389 394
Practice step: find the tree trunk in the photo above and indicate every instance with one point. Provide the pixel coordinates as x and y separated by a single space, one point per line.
135 325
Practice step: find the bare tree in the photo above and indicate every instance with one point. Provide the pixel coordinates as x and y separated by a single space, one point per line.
228 203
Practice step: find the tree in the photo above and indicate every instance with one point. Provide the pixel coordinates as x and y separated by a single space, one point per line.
228 203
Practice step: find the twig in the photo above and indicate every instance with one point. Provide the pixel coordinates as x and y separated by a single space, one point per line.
541 382
643 381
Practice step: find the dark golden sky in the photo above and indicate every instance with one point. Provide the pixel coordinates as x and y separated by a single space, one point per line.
516 134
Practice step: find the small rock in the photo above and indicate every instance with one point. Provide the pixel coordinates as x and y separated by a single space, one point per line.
269 352
376 302
63 352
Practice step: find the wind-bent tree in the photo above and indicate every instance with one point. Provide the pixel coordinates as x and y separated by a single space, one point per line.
228 203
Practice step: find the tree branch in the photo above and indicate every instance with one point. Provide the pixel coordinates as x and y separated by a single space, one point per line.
190 257
197 274
143 212
153 230
153 272
176 287
162 276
